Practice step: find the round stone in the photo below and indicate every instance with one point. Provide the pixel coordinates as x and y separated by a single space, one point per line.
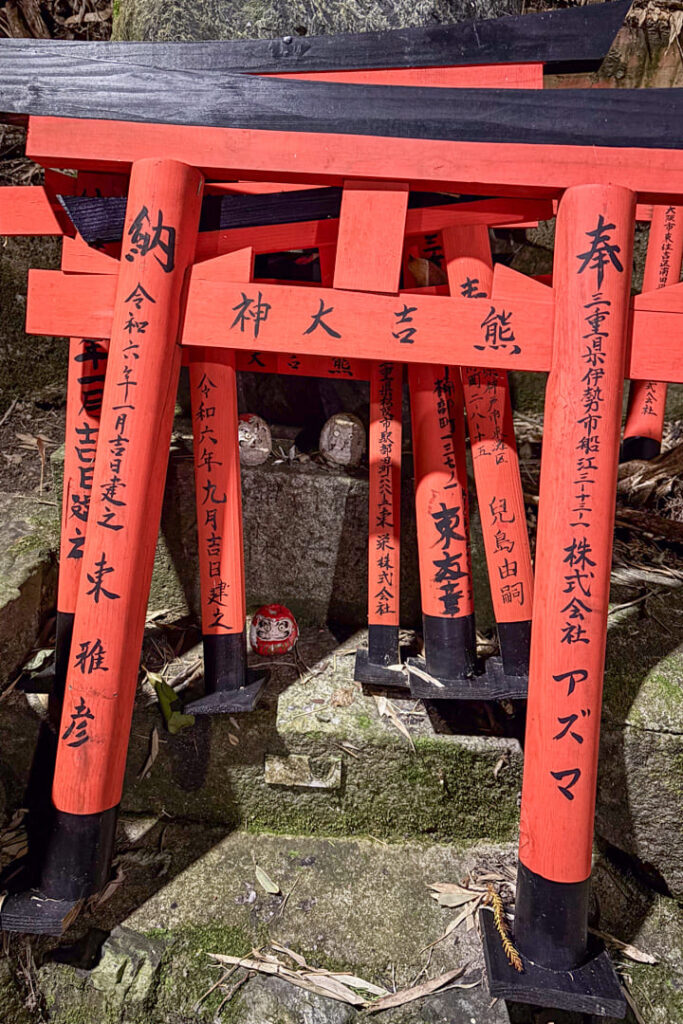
342 440
254 438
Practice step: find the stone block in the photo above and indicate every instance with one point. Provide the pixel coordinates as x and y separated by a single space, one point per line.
423 782
640 791
28 576
351 905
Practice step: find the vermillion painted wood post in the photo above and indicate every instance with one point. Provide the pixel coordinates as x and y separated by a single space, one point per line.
488 405
127 490
442 516
84 390
370 259
647 398
230 686
592 275
85 387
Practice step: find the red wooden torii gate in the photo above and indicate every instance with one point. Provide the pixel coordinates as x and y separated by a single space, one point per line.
584 331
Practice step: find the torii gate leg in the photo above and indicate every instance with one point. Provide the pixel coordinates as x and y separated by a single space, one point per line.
230 685
593 254
441 510
647 398
128 484
467 252
369 251
84 390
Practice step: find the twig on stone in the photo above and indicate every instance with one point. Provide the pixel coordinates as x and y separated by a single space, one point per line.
223 978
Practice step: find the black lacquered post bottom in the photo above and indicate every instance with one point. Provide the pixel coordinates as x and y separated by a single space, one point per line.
230 685
563 969
381 664
639 448
450 662
76 863
591 988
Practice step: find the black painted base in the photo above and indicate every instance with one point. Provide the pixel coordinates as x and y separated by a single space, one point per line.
638 448
231 687
591 988
515 646
232 701
74 862
387 676
34 913
491 684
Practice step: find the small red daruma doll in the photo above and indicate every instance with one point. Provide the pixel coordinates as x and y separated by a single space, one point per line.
273 630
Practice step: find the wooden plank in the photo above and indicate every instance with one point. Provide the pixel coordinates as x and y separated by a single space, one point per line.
372 227
27 210
127 493
577 500
488 76
583 33
101 219
647 398
513 169
637 118
494 454
81 305
283 318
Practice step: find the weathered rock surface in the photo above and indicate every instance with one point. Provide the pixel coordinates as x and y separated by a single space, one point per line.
345 905
364 777
28 576
27 364
640 792
185 20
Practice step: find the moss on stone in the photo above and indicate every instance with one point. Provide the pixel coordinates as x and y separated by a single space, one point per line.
187 972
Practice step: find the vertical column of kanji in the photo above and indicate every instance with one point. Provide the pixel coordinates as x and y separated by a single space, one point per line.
130 469
369 251
647 398
85 387
84 390
494 452
592 274
441 508
229 684
384 529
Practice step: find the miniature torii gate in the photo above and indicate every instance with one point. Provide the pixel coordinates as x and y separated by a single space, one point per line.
580 332
490 440
447 602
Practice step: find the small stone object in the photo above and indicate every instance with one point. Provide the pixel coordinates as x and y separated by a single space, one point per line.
342 440
254 439
273 630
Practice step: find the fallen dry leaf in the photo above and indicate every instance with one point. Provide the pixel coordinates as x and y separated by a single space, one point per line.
110 888
408 995
266 882
387 710
632 952
343 697
153 753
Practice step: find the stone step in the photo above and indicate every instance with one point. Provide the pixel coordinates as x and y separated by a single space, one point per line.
316 757
355 906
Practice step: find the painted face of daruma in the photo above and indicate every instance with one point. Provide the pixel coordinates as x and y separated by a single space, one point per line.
273 630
